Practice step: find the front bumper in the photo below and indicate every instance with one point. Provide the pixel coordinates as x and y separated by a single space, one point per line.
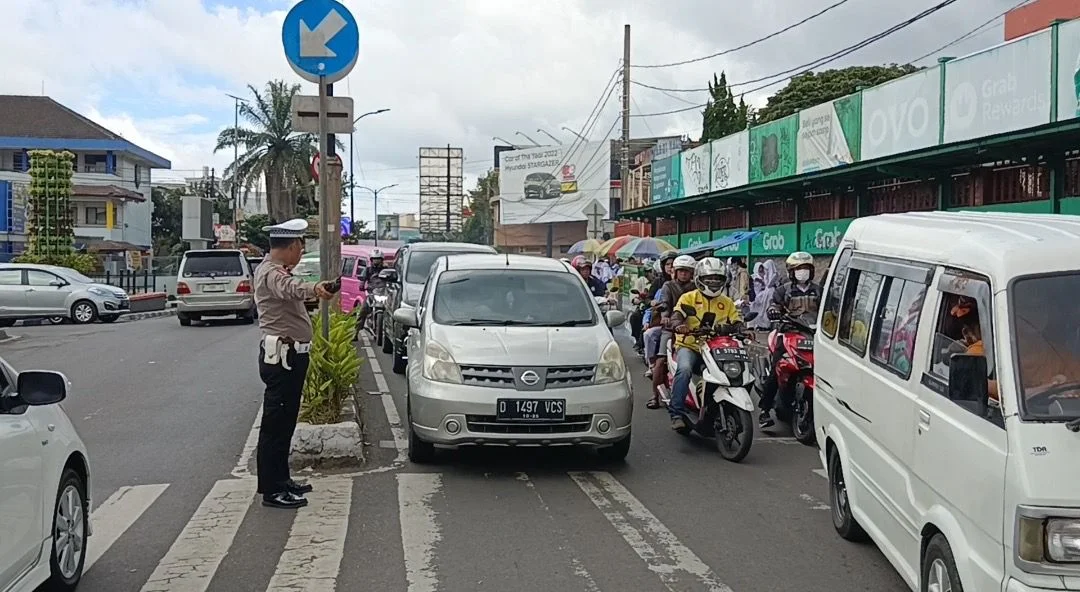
595 414
114 306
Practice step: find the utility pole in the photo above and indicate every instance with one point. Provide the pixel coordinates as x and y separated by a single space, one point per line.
324 204
375 198
624 150
448 161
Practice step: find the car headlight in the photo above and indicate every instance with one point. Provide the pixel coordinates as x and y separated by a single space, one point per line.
611 367
733 370
100 291
1053 540
439 365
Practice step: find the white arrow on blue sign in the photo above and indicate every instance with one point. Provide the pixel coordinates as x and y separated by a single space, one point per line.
321 39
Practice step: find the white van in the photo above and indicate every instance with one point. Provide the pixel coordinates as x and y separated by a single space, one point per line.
929 320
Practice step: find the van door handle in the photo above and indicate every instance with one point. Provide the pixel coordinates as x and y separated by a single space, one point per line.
924 420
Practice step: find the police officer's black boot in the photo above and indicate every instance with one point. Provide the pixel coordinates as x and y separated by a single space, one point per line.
285 500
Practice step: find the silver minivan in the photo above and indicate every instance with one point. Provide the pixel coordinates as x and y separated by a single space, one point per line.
214 283
512 350
30 291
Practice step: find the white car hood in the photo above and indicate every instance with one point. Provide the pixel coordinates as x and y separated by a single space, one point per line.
523 346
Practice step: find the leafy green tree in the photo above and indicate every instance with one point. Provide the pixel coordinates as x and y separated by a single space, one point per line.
480 227
722 116
167 219
815 88
271 153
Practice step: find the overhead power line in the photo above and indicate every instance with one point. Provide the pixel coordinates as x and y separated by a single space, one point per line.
746 45
808 67
970 33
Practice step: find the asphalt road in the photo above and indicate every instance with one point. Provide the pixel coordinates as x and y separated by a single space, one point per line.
166 412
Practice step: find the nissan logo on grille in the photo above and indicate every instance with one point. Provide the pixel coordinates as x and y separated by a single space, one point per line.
530 378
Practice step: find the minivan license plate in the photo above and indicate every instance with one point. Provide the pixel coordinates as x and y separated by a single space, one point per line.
214 288
530 409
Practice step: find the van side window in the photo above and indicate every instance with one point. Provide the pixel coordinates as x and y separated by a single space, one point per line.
833 296
893 340
857 310
347 265
962 325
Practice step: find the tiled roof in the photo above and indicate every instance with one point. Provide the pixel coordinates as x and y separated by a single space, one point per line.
42 117
106 192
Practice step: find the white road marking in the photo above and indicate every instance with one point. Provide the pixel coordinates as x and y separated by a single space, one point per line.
813 502
241 470
312 557
777 440
113 517
419 532
653 542
196 554
373 361
575 564
820 473
392 417
380 383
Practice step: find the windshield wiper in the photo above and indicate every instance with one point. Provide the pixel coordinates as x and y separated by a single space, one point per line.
491 322
1074 425
573 323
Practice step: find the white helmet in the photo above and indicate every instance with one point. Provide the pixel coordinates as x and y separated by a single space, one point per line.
798 259
710 276
684 262
656 267
376 254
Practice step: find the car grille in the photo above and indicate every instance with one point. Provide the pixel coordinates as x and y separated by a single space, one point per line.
487 424
503 376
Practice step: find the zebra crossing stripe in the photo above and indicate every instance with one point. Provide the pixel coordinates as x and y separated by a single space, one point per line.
113 517
196 554
312 557
419 531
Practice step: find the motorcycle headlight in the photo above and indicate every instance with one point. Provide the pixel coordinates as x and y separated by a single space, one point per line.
733 370
611 367
439 365
380 299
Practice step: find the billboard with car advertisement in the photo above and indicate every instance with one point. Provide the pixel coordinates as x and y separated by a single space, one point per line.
554 183
772 149
696 171
1069 70
730 161
999 90
902 115
830 134
667 179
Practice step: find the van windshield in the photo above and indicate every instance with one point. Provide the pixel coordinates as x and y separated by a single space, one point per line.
1046 332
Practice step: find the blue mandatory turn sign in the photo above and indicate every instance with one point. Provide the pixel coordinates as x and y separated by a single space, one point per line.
321 39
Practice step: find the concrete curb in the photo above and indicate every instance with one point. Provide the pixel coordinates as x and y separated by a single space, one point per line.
336 443
138 316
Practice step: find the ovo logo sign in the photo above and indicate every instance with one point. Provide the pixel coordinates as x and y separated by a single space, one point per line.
772 241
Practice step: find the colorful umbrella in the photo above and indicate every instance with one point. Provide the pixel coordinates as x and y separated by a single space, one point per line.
644 247
611 245
590 246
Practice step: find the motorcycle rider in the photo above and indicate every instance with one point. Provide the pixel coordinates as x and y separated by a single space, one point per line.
710 278
799 297
682 268
584 267
374 283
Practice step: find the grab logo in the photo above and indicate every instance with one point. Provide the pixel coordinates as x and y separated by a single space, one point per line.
772 242
827 239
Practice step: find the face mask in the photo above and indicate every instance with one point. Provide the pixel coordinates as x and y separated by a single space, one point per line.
802 275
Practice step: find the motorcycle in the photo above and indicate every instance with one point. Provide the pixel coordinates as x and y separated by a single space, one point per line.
606 303
794 375
641 304
374 323
718 404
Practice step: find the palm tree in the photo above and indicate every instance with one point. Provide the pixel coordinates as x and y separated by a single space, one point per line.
270 152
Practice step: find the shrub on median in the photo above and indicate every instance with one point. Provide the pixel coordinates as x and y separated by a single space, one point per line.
334 370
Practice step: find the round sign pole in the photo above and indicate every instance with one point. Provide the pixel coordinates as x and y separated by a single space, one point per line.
324 209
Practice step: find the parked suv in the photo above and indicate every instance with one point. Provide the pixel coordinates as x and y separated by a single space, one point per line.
413 263
44 485
29 291
214 283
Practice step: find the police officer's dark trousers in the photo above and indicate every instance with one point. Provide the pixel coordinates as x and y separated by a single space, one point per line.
281 406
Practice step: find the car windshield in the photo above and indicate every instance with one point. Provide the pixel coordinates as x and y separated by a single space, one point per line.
306 268
420 263
512 297
1046 334
213 264
74 276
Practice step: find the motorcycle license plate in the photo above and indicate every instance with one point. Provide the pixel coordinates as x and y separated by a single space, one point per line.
530 409
805 344
731 353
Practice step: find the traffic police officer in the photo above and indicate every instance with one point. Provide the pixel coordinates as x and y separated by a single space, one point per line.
283 359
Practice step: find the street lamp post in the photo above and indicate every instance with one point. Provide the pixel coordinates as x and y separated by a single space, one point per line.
581 137
236 156
352 156
375 199
535 143
507 142
557 141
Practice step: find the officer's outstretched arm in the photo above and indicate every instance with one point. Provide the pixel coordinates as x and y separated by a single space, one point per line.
284 286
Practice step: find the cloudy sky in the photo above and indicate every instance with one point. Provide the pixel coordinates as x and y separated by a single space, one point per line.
450 71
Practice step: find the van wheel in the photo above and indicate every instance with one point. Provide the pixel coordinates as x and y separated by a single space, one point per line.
939 568
420 452
387 341
69 534
399 360
7 322
616 453
185 321
844 523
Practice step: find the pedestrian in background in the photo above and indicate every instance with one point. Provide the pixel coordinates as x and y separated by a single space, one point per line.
283 359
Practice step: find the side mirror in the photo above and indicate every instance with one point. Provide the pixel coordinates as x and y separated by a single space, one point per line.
58 283
41 387
614 318
389 276
406 317
688 310
600 300
968 383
